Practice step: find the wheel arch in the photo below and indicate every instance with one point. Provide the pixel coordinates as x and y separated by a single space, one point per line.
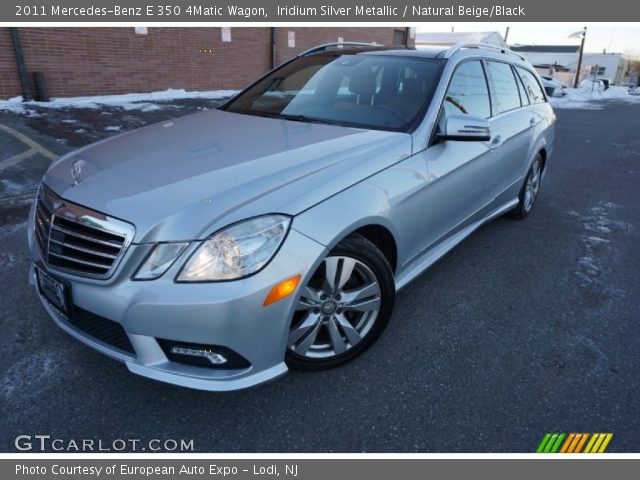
364 209
382 238
543 154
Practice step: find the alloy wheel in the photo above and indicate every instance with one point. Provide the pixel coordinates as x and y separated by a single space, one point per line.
336 309
532 185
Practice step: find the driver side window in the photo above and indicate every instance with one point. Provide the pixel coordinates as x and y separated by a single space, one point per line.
468 92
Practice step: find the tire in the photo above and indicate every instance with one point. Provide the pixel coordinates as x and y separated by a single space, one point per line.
337 320
530 189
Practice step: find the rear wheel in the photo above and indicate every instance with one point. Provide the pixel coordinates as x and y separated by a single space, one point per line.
343 308
530 189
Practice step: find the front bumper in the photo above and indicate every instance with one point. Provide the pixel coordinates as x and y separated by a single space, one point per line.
228 314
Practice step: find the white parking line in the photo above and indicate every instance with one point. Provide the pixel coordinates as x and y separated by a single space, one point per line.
34 147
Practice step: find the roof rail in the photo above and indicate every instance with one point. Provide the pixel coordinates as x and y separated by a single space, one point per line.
479 45
327 46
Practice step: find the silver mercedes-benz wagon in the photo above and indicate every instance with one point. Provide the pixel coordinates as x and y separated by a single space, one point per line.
216 250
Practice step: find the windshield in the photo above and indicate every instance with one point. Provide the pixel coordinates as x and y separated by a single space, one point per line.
366 91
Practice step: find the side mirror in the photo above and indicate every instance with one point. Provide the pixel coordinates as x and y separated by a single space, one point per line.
466 128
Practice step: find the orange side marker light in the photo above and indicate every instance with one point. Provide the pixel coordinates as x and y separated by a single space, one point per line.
282 290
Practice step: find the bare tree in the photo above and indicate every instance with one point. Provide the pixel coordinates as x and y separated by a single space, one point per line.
634 64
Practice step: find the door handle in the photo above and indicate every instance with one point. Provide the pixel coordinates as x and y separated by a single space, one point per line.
496 142
533 122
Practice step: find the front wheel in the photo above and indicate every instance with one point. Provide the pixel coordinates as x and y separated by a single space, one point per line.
530 189
343 308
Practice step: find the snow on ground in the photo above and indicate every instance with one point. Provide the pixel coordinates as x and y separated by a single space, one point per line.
130 101
576 98
13 105
587 98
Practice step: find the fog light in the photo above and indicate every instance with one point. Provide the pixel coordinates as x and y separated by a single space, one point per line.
283 289
213 357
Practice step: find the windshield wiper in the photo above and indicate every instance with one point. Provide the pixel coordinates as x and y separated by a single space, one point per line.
284 116
303 118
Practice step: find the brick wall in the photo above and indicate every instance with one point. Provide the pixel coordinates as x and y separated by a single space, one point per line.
308 37
98 61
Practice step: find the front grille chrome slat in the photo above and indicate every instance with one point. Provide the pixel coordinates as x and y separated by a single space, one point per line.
68 244
78 240
82 228
106 266
85 237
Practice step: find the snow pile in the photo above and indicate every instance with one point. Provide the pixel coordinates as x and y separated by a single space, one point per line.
130 101
587 98
13 105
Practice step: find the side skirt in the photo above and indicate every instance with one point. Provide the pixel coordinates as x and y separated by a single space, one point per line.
432 255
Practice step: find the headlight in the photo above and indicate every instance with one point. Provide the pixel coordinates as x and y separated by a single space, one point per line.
236 251
159 260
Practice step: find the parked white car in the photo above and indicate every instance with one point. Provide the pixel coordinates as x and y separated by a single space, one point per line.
553 86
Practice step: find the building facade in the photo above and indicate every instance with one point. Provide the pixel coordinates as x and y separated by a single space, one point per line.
611 66
444 39
99 61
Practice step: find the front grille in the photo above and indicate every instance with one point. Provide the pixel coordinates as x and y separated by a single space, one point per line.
100 328
74 238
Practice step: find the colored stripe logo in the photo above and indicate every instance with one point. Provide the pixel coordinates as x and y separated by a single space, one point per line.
574 443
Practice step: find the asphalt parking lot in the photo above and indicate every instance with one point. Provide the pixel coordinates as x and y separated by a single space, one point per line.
526 328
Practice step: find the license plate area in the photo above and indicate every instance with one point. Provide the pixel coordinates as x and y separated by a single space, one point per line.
54 291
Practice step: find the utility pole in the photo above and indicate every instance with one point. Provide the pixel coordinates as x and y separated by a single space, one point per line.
22 67
584 35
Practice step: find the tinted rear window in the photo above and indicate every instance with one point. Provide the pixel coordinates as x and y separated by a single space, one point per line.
531 85
505 87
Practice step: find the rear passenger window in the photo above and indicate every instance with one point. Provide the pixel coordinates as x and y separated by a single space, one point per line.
468 92
531 85
505 87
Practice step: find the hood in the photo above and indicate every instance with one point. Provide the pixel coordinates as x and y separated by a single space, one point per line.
185 178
